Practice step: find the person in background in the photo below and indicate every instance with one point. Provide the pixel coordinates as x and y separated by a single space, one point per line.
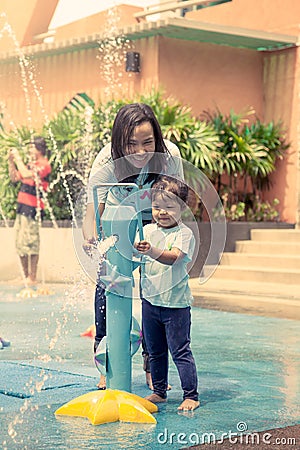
30 206
137 154
166 297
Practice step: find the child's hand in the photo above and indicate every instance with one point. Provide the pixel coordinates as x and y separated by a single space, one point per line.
142 246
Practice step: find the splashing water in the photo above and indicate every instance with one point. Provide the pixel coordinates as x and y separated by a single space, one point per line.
104 245
87 143
112 54
4 217
98 253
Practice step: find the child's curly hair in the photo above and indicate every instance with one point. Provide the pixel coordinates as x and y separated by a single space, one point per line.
166 184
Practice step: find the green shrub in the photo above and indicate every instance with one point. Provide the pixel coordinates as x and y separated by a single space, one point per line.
216 144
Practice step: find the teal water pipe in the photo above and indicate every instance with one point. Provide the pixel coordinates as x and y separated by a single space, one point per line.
121 221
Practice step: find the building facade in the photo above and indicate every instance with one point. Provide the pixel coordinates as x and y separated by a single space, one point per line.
234 55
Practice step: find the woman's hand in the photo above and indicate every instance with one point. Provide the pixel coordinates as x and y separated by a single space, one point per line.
89 246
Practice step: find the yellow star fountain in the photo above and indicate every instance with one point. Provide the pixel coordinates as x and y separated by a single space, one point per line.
110 405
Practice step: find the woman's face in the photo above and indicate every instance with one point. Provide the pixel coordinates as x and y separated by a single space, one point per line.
141 145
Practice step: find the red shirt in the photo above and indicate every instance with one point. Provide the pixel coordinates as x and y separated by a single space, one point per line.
28 201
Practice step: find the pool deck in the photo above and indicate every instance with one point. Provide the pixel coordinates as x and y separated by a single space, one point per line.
257 298
247 355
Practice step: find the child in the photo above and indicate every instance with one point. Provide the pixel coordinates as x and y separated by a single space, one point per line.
166 297
34 179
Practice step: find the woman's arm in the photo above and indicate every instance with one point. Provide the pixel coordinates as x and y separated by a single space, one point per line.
12 169
89 228
23 170
89 222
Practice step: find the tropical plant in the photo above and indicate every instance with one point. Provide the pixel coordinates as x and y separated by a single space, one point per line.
226 148
17 138
197 140
75 135
263 211
247 157
271 138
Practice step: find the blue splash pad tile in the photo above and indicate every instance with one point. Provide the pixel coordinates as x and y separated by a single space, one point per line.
39 385
248 369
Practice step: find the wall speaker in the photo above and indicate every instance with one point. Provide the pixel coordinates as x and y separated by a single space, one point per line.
132 62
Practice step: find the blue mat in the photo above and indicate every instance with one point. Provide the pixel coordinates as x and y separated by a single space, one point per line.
41 385
248 368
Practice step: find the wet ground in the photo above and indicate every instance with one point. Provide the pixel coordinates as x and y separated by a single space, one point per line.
248 368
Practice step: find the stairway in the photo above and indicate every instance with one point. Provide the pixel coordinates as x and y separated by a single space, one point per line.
261 276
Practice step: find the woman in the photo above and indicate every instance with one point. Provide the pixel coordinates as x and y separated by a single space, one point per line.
137 154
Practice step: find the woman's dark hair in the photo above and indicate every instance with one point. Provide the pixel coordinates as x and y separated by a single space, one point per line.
127 119
40 144
166 184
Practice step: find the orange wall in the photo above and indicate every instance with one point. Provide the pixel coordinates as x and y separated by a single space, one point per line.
98 23
204 75
281 93
268 82
201 75
26 19
277 16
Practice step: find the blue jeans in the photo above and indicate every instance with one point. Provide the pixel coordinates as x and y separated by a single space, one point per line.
100 313
169 329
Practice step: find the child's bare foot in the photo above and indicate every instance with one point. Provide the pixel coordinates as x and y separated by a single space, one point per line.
30 282
102 383
154 398
188 405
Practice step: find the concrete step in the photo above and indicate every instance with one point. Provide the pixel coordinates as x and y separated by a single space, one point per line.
261 260
219 286
248 297
283 235
268 247
260 274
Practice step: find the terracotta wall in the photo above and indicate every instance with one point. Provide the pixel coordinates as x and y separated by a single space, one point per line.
51 80
26 19
205 76
276 16
208 76
97 23
281 95
39 95
185 69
